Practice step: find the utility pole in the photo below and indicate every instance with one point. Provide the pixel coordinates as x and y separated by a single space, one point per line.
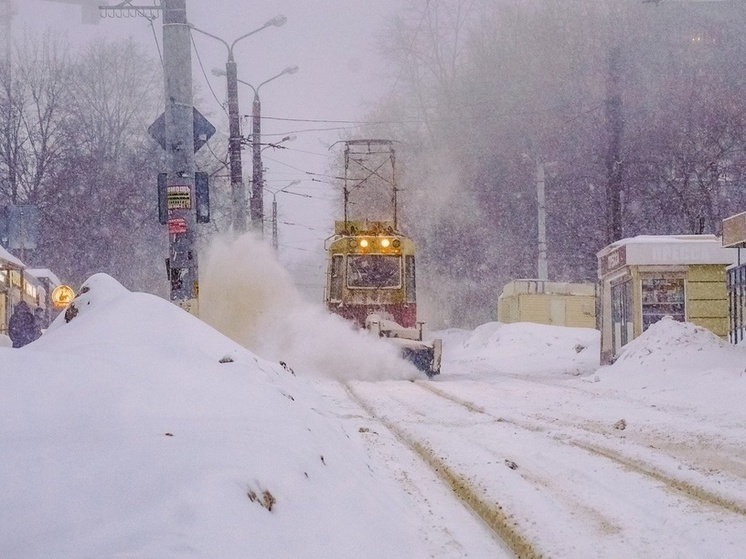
177 135
238 192
11 152
257 173
179 141
256 203
543 267
274 193
615 130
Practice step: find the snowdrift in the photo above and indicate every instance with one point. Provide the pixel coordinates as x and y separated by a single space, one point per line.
680 362
524 348
136 430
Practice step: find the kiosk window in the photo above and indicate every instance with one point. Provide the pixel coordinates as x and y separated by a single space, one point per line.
622 320
662 297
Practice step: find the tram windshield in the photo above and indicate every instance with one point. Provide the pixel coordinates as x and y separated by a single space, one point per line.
373 270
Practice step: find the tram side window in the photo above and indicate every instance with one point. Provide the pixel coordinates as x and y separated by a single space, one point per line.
411 285
337 279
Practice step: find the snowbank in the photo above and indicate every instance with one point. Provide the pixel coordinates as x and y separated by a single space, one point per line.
524 348
137 430
680 362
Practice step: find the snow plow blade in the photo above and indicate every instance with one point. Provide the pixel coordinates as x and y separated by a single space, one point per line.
425 357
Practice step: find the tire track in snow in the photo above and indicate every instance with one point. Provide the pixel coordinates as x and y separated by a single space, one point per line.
678 486
492 514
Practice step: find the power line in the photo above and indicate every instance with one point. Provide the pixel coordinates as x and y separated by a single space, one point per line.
204 74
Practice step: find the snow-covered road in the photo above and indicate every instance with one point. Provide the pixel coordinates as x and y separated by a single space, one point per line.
545 467
137 430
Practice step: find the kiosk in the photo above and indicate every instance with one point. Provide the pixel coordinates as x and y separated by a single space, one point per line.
11 270
734 235
548 302
644 278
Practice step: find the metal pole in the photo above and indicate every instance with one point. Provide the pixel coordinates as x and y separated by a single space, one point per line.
238 192
257 184
541 197
177 68
8 76
615 128
274 221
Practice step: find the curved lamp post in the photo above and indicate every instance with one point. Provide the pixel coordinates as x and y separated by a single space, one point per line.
274 194
238 191
275 145
257 184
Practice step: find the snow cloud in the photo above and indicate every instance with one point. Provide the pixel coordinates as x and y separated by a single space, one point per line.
247 295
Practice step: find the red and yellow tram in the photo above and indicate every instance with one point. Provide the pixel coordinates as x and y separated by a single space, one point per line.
371 272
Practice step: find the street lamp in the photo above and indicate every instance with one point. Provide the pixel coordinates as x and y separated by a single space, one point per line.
257 178
275 145
274 194
238 191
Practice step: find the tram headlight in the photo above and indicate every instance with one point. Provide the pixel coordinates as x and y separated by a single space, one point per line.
385 243
364 243
396 243
352 243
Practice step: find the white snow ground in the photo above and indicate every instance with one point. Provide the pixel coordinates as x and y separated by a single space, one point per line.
122 434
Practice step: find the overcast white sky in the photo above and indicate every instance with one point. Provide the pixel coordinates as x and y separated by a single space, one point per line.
332 41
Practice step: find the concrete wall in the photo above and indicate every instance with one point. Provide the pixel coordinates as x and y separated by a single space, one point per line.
559 304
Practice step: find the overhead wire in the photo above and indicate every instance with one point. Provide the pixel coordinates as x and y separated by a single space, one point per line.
310 173
155 38
204 74
579 111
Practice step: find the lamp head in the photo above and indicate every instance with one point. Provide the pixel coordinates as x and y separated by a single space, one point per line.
290 70
277 21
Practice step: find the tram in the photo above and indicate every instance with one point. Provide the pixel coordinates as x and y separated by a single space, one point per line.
371 274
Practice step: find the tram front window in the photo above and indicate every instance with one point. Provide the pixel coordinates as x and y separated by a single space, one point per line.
373 270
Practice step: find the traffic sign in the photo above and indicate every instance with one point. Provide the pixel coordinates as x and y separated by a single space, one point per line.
202 130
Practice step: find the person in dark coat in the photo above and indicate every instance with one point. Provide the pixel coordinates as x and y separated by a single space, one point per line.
40 322
22 326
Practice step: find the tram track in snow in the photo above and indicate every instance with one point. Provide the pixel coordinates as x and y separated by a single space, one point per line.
492 514
487 442
537 424
707 451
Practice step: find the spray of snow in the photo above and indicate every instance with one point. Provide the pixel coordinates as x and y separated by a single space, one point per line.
248 296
